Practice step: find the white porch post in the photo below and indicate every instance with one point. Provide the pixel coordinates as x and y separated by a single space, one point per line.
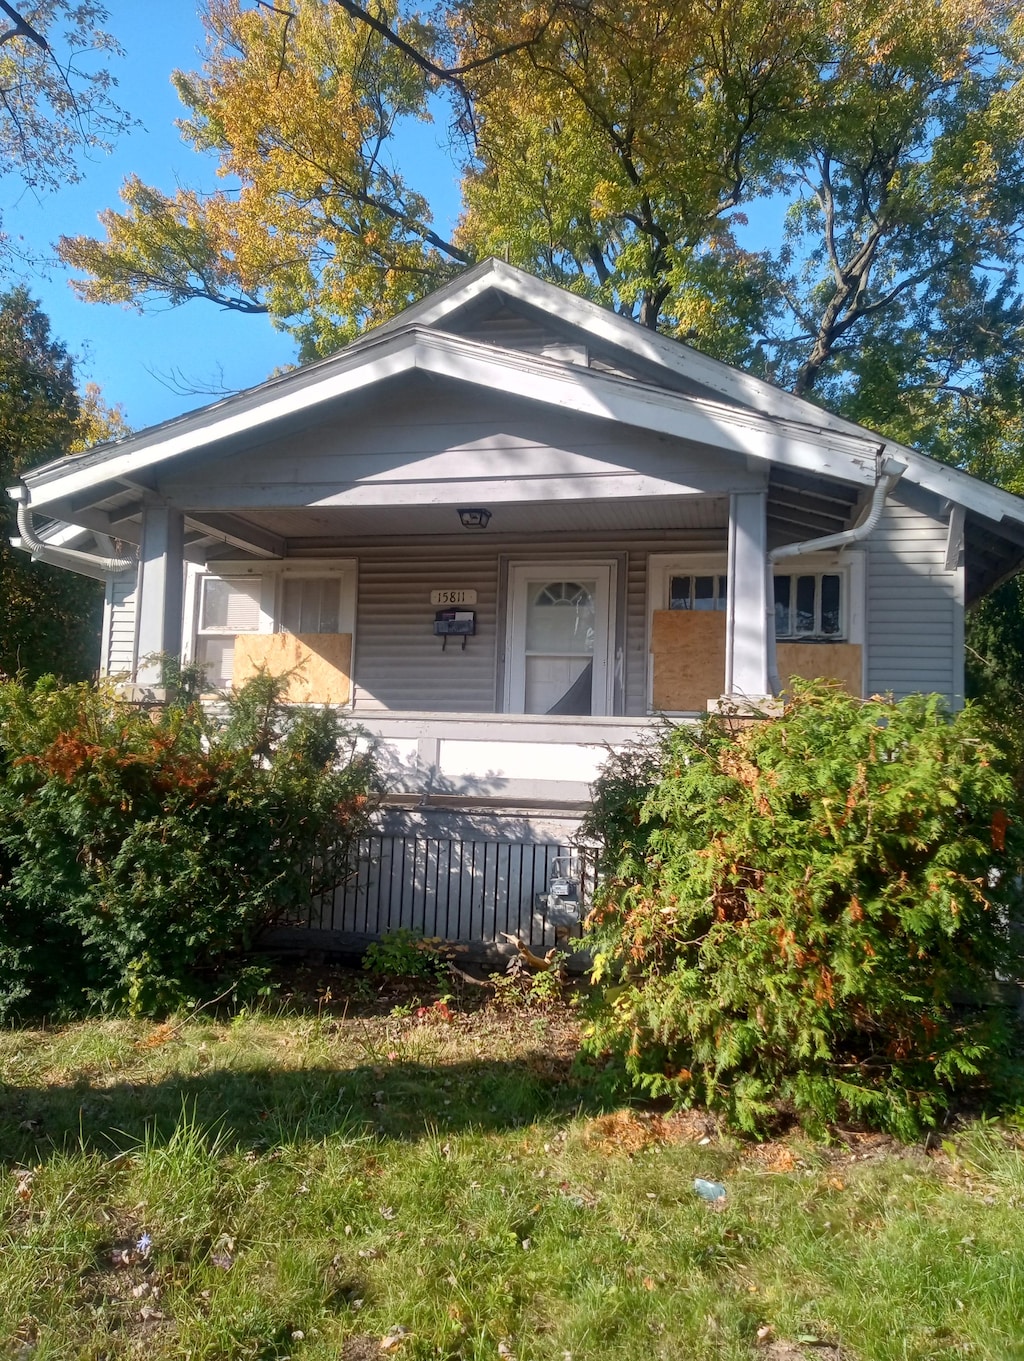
159 597
746 637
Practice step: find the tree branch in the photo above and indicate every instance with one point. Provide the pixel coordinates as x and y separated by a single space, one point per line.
22 28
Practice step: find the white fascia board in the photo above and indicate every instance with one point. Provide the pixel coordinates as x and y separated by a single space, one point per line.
952 484
444 301
629 402
679 358
552 382
398 357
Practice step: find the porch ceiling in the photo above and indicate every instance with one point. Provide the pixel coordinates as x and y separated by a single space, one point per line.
802 507
799 507
518 519
337 525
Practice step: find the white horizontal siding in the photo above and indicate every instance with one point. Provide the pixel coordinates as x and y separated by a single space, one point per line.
914 607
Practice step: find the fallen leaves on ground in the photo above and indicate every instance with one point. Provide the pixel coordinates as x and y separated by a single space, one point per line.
630 1132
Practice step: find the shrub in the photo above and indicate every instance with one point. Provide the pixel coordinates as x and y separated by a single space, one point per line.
140 851
403 953
812 913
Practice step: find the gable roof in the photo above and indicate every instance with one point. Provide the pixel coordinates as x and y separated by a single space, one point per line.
702 398
682 360
393 350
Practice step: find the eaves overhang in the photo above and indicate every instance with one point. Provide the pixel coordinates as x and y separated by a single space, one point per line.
682 360
384 355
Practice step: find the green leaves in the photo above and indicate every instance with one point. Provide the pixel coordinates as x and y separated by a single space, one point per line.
814 912
137 857
49 619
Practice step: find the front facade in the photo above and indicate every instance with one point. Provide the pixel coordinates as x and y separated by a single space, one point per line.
509 530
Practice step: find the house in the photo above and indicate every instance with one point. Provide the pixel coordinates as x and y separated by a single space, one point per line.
506 531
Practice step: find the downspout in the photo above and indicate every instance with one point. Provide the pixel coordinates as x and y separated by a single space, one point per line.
891 472
38 548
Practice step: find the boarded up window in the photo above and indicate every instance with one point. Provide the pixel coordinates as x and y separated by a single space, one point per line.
235 638
688 657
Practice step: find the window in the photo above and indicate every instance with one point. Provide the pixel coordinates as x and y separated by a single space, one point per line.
300 598
809 606
818 598
697 593
310 605
226 608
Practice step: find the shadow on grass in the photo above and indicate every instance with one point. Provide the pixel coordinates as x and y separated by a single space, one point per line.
262 1107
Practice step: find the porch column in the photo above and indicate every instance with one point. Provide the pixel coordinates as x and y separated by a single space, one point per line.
746 636
159 597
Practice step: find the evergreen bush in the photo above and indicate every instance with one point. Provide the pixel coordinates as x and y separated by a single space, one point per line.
140 851
813 913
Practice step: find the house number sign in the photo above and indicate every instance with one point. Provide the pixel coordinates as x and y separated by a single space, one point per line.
453 597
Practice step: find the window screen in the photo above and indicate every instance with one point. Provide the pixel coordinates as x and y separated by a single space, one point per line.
230 606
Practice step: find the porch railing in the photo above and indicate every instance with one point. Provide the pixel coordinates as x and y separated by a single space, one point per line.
475 891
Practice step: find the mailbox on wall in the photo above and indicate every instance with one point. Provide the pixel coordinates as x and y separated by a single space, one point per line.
454 624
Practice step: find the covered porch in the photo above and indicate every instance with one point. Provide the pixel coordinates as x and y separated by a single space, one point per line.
500 565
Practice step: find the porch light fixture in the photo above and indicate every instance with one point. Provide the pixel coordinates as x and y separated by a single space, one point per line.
474 517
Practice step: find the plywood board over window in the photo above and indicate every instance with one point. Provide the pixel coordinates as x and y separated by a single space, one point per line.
688 655
318 666
839 662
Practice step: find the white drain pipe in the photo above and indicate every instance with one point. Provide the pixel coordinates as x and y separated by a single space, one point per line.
892 471
73 558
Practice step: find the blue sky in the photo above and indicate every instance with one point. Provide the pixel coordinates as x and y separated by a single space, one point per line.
126 353
134 357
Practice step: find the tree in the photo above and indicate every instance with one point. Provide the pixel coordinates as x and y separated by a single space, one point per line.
612 151
302 108
54 102
49 618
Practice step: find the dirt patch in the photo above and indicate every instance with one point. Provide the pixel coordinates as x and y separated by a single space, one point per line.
773 1157
361 1347
802 1351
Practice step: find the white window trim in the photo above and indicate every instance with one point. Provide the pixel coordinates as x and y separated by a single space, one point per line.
272 573
520 571
850 563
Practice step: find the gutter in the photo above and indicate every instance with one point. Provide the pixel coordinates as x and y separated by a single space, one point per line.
891 472
73 558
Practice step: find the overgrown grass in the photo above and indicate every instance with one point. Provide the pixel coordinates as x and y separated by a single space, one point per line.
311 1185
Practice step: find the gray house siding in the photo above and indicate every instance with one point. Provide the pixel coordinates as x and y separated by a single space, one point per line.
399 664
117 654
914 620
439 441
913 615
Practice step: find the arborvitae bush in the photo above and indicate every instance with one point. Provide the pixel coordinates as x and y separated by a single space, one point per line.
813 914
140 852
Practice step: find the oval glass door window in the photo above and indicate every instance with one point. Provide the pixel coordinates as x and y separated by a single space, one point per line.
559 660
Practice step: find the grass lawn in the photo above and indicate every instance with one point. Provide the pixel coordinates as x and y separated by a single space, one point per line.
323 1184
